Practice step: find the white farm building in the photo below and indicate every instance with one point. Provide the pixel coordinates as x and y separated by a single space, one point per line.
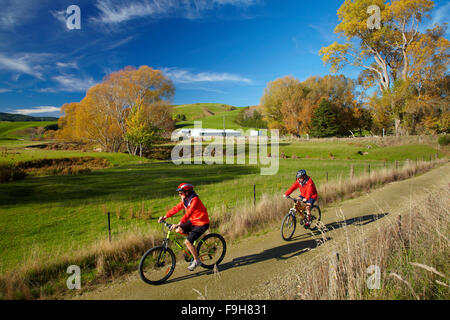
209 133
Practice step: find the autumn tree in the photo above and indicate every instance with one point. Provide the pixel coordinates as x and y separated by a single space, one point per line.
388 55
289 104
102 116
285 107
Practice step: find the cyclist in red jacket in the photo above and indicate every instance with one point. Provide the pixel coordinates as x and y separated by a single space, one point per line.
194 222
308 192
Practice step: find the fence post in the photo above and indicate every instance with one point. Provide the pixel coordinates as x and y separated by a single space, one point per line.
333 271
254 195
369 169
396 164
109 226
327 176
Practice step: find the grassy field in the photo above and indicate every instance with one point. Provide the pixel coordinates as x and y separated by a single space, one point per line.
46 216
217 121
8 129
51 215
201 110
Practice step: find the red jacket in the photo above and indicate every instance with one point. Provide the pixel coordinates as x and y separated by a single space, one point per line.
307 190
195 211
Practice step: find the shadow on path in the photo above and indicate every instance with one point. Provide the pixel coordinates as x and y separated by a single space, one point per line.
287 251
357 221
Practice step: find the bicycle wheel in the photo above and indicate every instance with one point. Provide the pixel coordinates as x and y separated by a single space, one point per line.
316 215
288 226
211 250
157 265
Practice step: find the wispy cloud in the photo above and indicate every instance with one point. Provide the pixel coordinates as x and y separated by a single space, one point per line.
185 76
118 11
325 31
24 64
4 90
119 43
70 83
16 12
34 110
71 65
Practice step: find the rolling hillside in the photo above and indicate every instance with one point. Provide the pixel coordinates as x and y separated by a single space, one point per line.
213 115
21 117
16 130
201 110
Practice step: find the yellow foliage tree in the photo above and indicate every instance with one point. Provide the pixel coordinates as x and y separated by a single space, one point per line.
101 117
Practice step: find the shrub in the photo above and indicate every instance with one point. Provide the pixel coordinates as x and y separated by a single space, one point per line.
11 172
444 140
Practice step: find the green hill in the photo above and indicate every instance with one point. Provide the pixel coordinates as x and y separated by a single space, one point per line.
201 110
16 130
23 118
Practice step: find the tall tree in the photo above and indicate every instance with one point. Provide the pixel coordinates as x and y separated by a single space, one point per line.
324 121
101 117
384 54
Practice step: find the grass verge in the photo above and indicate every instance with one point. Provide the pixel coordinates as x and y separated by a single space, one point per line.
104 261
406 258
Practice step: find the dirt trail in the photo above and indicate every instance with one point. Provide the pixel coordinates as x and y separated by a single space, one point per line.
252 262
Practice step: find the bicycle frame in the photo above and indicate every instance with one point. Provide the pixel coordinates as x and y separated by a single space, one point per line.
298 207
172 236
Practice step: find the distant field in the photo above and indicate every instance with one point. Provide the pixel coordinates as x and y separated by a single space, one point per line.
201 110
46 216
7 129
16 153
217 121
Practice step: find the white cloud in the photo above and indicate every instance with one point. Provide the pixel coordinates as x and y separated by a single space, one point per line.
3 90
72 65
117 11
119 43
70 83
33 110
185 76
16 12
23 64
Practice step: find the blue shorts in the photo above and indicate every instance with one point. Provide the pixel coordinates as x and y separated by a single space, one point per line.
310 201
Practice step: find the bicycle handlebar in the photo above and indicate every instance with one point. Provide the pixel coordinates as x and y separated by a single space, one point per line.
168 225
289 197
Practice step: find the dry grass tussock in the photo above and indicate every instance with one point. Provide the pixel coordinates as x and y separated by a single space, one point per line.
272 208
40 279
387 141
410 248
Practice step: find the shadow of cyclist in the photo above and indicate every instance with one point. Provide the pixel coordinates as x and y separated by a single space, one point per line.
357 221
287 251
283 252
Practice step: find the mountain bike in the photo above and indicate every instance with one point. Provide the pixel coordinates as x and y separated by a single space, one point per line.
290 220
158 263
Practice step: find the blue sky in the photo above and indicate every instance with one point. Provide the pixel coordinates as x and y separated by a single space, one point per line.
223 51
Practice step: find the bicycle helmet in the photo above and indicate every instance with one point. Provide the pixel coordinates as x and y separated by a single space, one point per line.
185 187
301 173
